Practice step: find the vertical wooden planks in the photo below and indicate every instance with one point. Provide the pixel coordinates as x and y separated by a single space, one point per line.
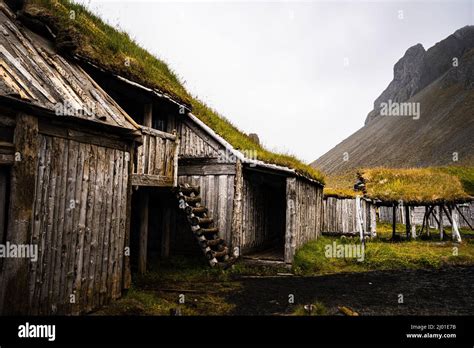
291 216
236 226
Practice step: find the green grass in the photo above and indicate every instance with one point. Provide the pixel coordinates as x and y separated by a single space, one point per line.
89 37
432 184
383 254
318 309
465 175
157 291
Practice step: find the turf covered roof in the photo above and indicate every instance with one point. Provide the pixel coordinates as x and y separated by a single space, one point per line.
84 35
414 185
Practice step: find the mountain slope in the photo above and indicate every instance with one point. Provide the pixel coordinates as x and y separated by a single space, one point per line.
445 128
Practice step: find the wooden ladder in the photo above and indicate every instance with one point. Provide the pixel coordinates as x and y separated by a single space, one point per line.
202 226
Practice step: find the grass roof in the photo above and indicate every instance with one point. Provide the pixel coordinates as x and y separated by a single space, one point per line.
420 185
415 185
86 35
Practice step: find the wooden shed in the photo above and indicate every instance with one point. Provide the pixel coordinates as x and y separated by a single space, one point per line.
65 164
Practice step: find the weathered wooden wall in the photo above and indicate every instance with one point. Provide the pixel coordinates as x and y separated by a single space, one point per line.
79 225
385 215
303 214
339 215
79 202
263 214
194 143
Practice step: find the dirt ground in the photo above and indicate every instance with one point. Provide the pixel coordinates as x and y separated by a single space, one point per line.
445 291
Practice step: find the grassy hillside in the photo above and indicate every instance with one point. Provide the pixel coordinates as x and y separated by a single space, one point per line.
82 34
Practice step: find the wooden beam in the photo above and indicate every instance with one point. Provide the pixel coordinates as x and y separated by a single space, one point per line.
407 221
127 272
14 294
394 221
456 235
175 163
143 238
448 215
290 233
236 228
440 222
462 215
166 233
148 115
216 169
151 180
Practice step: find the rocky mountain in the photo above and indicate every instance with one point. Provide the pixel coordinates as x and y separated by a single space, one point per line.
440 82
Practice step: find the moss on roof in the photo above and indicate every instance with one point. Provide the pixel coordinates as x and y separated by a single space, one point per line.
84 34
341 185
90 38
414 185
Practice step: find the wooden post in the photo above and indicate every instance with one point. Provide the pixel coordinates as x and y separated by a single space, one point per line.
454 225
394 220
290 233
165 236
175 161
14 288
428 212
143 244
440 222
148 115
127 273
464 218
407 221
236 229
413 226
373 220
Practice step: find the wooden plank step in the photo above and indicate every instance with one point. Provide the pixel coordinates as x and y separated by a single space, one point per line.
192 200
187 190
196 220
220 253
214 242
199 210
207 231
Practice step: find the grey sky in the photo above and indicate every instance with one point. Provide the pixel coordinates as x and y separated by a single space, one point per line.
279 68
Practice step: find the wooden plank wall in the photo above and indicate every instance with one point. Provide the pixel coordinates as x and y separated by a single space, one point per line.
195 143
303 216
339 215
79 224
308 208
156 155
254 223
263 215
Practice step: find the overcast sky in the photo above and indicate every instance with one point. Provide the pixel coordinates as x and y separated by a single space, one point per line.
301 74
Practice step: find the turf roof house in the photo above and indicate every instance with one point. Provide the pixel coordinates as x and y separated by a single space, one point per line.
235 205
411 188
104 181
65 153
231 205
